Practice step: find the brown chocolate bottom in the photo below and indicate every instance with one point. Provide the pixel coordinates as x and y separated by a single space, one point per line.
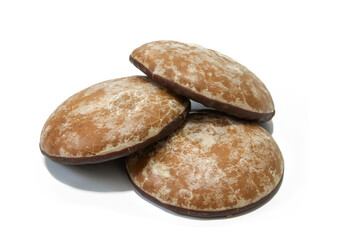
167 130
209 214
208 102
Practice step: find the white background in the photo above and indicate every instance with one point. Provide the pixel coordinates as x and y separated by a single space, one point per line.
306 52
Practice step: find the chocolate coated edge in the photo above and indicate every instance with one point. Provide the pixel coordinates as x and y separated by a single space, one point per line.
167 130
209 214
221 106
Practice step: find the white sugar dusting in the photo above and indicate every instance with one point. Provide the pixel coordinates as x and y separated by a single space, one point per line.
198 62
123 110
209 154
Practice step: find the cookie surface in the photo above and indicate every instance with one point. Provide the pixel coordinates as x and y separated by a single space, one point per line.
213 166
111 119
205 76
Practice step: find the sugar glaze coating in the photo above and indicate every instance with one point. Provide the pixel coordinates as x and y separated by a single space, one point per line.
108 117
205 72
213 163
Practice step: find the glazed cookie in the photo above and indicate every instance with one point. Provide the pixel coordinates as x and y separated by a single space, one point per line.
205 76
110 120
213 166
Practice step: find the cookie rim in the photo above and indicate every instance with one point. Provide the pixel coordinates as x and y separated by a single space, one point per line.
164 132
206 213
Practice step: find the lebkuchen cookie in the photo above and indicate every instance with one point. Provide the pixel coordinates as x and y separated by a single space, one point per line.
205 76
213 166
110 120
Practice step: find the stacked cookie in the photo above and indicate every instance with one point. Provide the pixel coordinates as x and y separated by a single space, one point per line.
210 163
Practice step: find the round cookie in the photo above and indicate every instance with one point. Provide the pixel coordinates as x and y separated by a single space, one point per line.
111 119
213 166
205 76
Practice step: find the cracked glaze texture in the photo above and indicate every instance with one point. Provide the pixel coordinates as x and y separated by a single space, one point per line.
206 72
108 117
212 163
